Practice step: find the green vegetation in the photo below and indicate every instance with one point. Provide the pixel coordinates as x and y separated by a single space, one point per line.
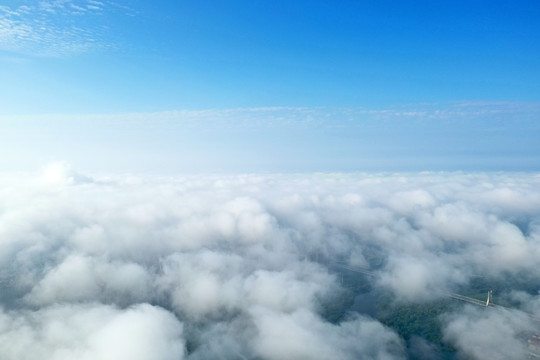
412 320
336 308
421 320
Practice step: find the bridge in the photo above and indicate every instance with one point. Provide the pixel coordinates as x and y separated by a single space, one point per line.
487 303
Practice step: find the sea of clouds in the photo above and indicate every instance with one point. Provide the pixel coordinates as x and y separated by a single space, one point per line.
238 267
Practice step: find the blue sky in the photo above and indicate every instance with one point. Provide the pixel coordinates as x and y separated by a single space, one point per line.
271 85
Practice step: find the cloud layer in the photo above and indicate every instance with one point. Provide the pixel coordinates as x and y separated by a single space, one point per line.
243 266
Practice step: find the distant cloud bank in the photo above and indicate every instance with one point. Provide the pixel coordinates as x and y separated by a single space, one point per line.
479 136
199 267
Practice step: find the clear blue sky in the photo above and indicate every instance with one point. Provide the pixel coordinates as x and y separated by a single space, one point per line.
400 84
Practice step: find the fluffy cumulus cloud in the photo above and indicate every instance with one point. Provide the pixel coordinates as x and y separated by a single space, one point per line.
91 331
243 266
480 333
301 335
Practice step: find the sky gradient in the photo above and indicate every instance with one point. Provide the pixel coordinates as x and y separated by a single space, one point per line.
270 86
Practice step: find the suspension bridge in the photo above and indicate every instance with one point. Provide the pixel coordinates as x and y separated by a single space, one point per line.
484 303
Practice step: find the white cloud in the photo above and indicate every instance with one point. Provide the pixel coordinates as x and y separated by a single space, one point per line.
479 333
235 257
82 278
61 173
91 331
301 335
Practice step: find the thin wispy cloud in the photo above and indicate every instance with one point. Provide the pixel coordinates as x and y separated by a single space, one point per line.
488 114
54 28
452 136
